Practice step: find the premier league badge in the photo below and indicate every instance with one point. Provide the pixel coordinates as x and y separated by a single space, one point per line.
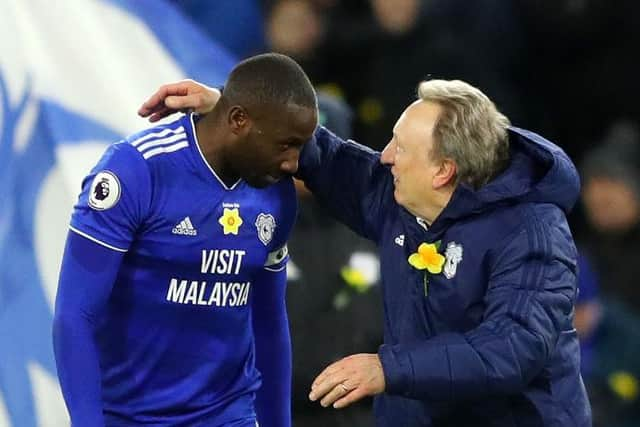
105 191
266 224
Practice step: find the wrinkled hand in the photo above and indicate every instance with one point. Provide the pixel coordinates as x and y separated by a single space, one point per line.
185 95
349 380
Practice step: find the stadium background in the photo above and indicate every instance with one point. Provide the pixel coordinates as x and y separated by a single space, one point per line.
73 73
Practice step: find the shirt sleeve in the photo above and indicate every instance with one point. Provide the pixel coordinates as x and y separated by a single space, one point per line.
273 349
349 180
115 198
87 275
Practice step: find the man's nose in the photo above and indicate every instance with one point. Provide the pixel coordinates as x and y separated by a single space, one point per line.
386 158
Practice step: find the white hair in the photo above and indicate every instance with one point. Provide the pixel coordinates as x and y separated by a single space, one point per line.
470 130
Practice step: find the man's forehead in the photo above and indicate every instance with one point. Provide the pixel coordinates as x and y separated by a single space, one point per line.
398 124
401 124
420 116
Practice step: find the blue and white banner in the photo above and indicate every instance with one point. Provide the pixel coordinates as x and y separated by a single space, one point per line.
72 75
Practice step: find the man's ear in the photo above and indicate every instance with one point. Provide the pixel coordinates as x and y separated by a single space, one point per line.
238 120
446 174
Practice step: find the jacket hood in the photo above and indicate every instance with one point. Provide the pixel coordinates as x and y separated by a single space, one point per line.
539 171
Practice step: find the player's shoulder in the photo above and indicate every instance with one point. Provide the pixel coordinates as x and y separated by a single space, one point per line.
134 158
162 140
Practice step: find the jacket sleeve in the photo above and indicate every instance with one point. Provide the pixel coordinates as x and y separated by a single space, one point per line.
86 278
349 180
529 301
273 348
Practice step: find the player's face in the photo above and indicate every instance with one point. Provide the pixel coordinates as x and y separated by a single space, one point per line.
272 147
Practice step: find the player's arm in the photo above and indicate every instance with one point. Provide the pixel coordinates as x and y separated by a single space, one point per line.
113 202
273 348
269 314
86 278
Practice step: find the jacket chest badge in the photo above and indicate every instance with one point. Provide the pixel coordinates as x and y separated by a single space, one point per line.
453 256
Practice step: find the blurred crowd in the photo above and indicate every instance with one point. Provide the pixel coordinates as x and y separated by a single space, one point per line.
567 69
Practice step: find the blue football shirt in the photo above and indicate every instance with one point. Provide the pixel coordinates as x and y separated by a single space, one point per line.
175 341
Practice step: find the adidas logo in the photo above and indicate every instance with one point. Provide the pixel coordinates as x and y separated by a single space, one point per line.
185 228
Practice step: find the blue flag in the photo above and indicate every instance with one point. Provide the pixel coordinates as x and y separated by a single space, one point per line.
72 75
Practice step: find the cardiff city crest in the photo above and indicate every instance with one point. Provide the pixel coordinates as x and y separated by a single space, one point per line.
265 224
453 255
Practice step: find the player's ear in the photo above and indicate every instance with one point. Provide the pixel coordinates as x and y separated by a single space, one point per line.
238 120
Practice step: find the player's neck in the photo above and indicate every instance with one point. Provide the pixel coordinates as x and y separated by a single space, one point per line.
212 143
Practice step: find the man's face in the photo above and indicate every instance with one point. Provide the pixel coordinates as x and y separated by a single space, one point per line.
611 205
272 146
409 153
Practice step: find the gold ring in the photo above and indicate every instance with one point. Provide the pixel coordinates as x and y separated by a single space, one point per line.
344 387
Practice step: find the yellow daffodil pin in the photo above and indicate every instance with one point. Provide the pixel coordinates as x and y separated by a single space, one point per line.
230 221
427 258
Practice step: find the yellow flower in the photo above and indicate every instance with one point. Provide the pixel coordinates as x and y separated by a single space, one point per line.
427 258
354 278
624 384
230 221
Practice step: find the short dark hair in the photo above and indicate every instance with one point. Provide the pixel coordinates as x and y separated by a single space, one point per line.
269 79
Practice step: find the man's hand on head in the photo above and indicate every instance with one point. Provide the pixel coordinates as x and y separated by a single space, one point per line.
184 96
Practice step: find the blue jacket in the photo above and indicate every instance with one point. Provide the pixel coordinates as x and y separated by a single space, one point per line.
489 341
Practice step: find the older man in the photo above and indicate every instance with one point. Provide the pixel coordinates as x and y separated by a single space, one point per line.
478 264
